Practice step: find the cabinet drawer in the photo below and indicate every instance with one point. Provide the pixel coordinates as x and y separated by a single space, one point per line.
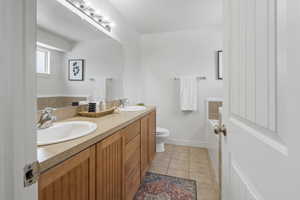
132 147
133 164
131 131
132 185
133 156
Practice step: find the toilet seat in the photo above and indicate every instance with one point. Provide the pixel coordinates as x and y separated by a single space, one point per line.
162 132
161 136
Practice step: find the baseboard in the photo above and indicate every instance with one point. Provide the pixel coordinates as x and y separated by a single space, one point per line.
190 143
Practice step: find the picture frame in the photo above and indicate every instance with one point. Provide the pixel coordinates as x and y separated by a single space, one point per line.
220 65
76 70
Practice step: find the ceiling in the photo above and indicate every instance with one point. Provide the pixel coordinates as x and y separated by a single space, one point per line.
56 18
155 16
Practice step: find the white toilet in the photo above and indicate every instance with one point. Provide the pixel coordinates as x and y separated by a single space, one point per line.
161 136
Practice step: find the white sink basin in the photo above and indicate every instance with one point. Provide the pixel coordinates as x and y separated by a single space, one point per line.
64 131
133 108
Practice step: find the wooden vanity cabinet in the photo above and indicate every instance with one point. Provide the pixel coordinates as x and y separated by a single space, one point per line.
145 161
152 135
132 135
118 164
112 169
74 179
148 142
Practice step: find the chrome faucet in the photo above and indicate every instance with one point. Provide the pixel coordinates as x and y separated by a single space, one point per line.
124 103
46 120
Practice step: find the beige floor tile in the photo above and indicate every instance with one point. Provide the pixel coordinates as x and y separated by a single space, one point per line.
197 177
158 170
199 160
199 165
178 173
163 155
162 159
169 148
199 169
205 181
191 163
206 194
179 165
179 162
201 178
207 197
198 150
204 171
183 149
181 156
187 153
199 154
160 164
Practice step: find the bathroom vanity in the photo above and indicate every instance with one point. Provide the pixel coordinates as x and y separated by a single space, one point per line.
108 164
76 68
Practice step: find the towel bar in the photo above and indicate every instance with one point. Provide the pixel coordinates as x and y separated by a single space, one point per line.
199 78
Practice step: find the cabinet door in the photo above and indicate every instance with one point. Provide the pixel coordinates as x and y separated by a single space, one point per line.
144 146
133 167
74 179
110 168
152 135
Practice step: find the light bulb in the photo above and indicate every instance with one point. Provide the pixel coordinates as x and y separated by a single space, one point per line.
112 24
87 4
97 12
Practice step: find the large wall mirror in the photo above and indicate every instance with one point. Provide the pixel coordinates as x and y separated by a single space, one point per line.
74 59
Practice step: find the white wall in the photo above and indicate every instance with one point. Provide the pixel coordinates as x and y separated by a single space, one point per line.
169 55
103 59
130 40
54 40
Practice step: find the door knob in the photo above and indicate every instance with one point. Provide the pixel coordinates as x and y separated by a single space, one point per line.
220 129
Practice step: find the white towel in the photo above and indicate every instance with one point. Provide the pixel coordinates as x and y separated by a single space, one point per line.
188 93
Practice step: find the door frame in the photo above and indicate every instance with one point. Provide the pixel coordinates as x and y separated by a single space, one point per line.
18 103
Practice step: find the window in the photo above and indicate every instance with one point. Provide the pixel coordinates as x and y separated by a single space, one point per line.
42 61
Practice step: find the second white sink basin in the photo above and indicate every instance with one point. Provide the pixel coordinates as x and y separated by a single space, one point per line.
133 108
64 131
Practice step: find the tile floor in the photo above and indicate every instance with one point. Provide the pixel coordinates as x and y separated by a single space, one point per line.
191 163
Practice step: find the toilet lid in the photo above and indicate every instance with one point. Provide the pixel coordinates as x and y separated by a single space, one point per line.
162 131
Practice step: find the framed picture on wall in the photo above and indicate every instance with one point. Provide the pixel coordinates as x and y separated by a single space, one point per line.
220 65
76 70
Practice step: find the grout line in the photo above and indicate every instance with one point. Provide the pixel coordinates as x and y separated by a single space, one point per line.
171 158
190 162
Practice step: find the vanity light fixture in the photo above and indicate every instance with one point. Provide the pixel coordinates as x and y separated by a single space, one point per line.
84 9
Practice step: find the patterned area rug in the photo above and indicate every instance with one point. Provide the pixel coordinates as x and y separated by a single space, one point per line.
162 187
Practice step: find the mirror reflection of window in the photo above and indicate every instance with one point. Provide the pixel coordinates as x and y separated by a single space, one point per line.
42 61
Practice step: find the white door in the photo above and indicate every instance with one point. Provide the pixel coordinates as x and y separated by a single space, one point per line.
261 151
17 97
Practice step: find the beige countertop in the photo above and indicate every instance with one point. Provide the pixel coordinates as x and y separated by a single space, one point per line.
51 155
